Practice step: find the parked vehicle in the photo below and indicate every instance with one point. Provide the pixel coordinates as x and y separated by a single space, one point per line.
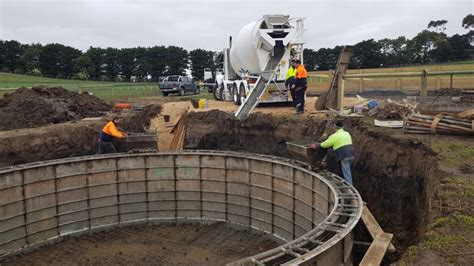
178 84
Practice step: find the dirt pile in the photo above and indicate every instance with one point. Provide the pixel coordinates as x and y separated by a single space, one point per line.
41 105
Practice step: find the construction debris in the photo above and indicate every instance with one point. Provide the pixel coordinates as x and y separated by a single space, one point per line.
389 123
439 124
389 109
467 95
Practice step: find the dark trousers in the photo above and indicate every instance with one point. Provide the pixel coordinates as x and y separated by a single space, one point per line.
293 96
106 147
299 95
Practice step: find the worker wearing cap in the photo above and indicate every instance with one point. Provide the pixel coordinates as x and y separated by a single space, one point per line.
289 81
108 133
300 85
341 143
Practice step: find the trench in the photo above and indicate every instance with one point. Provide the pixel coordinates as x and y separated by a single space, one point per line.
393 174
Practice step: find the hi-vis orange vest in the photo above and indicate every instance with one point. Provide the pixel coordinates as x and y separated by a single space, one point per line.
301 72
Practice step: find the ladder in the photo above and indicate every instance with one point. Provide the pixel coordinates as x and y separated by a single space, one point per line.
265 78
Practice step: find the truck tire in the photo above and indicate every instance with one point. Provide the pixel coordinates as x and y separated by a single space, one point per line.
242 94
164 93
235 94
197 91
217 92
181 91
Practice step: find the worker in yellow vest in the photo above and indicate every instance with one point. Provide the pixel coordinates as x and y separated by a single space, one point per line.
290 80
341 143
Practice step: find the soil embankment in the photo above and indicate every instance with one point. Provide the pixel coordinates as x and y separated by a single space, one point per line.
41 105
45 123
394 175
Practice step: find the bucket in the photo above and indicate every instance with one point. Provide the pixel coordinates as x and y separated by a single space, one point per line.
201 103
195 103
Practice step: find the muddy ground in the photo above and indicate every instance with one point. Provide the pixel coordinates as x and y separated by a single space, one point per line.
41 105
189 244
419 187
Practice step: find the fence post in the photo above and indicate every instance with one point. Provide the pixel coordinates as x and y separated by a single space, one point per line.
424 85
361 81
399 80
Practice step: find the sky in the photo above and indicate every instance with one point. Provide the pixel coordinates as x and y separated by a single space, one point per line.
207 24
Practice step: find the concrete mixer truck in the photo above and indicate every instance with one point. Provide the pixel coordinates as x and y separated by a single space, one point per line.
256 61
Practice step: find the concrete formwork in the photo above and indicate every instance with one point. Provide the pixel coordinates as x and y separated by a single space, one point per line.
313 213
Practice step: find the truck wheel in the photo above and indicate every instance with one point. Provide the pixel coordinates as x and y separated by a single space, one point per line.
164 93
197 91
217 92
181 92
235 94
242 94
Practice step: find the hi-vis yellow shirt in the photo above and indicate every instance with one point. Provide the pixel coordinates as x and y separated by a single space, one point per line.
337 140
291 73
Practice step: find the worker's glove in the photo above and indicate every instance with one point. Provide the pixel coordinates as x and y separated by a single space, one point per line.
313 146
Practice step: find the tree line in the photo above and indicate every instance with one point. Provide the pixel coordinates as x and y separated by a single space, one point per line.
61 61
431 45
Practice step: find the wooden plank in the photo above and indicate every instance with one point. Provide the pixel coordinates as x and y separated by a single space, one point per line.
376 251
340 92
373 226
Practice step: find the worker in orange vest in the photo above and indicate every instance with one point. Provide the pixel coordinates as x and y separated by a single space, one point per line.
300 85
108 133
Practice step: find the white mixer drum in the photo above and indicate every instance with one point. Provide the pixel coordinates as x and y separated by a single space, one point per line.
243 53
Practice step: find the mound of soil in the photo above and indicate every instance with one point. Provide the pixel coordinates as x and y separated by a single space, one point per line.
41 105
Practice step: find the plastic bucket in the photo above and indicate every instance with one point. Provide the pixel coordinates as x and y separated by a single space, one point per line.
201 103
195 103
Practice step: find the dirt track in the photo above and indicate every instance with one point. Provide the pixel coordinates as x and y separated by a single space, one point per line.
214 244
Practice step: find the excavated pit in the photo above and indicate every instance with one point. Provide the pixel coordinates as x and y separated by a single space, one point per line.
387 170
394 174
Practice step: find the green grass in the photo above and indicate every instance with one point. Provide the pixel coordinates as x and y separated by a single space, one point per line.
454 153
102 89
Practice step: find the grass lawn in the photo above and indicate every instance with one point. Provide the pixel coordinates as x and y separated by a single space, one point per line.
102 89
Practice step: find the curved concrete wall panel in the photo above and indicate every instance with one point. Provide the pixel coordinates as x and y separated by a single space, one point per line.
313 213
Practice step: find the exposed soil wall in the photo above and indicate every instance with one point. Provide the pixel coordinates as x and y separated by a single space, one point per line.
393 174
65 139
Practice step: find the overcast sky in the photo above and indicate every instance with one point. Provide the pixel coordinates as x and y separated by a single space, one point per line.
208 23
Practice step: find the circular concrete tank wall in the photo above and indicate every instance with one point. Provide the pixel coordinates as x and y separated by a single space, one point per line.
314 213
